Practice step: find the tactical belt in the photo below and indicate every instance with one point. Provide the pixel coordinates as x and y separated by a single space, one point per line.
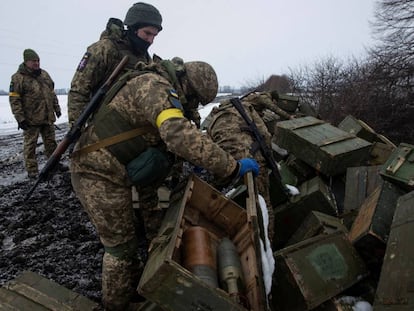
115 139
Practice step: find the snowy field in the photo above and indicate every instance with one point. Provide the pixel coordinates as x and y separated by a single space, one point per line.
8 124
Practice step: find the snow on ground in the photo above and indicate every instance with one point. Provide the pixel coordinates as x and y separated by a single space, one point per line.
8 124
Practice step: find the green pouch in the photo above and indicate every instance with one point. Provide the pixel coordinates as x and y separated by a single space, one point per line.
150 166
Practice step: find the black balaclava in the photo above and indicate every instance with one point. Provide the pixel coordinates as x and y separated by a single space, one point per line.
139 44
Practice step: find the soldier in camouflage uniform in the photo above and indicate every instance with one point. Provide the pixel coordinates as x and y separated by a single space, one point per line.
34 104
229 130
148 112
143 22
265 103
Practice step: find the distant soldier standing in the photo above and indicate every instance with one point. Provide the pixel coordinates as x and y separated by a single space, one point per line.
34 104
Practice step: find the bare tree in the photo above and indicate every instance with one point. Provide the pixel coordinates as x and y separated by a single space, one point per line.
379 89
394 27
393 65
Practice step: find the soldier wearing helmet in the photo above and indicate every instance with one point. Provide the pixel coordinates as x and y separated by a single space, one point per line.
132 37
132 140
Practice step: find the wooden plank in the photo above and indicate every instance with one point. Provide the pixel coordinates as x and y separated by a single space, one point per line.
32 289
395 289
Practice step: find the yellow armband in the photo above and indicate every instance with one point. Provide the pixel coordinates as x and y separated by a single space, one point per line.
168 114
14 94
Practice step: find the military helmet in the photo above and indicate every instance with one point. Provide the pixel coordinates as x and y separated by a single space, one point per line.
143 14
203 80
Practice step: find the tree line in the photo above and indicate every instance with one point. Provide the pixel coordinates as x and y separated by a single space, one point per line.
377 89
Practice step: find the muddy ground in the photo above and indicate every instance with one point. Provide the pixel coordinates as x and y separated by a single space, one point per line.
50 234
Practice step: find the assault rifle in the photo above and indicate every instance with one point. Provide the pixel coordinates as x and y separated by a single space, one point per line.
75 131
264 148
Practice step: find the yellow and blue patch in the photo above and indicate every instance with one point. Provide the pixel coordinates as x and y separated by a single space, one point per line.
12 92
174 99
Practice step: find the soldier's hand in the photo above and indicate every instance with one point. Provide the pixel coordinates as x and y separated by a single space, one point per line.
24 125
248 165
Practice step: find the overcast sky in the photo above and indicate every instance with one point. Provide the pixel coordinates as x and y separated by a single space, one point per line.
245 41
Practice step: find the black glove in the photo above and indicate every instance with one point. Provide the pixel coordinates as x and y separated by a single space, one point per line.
24 125
58 114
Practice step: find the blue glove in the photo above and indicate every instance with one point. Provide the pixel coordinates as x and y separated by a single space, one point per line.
248 165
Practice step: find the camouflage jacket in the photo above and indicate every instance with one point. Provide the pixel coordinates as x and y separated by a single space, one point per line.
229 130
262 101
32 97
140 103
95 67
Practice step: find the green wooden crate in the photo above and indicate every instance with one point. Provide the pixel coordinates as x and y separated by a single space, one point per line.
395 289
399 168
166 282
361 181
357 127
287 102
370 230
323 146
31 291
314 224
315 270
314 195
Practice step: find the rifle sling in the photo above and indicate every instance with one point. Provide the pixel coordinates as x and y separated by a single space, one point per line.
115 139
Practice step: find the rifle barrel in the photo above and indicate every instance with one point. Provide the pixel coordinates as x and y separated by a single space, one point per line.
236 102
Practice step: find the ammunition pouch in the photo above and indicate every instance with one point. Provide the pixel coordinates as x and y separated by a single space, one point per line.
149 167
108 122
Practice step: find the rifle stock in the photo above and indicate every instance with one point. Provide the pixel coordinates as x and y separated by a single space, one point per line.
74 133
265 150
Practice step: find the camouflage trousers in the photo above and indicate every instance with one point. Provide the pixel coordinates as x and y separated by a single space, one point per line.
109 207
30 137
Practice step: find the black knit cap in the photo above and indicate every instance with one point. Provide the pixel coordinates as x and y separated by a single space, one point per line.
143 14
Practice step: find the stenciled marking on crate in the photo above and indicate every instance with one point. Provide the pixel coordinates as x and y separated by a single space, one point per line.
328 262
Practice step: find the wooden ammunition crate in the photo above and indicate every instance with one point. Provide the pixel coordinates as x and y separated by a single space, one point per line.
395 289
314 224
287 102
380 153
313 271
357 127
370 230
361 181
326 148
31 291
399 168
300 169
314 195
167 283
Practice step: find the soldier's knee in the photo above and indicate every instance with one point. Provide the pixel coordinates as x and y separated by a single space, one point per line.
126 251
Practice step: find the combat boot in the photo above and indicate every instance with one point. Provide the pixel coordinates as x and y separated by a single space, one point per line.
32 175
